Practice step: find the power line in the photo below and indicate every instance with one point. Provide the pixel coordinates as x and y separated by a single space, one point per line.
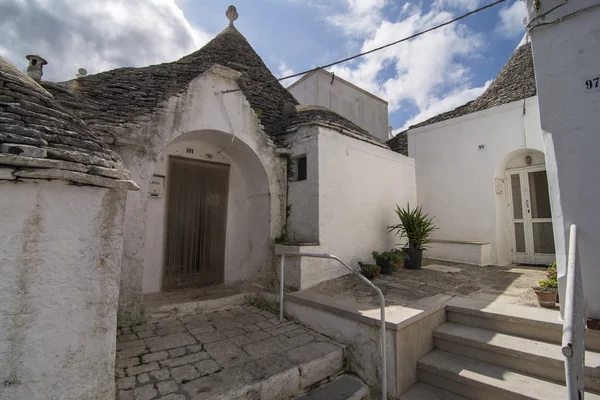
378 48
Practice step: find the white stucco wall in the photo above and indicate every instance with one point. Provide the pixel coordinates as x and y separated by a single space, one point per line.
247 239
456 178
565 55
199 110
60 255
359 106
359 185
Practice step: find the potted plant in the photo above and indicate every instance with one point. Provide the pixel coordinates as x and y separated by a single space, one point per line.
388 260
416 227
369 271
547 291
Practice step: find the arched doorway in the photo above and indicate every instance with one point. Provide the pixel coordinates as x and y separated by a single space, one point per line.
530 215
208 214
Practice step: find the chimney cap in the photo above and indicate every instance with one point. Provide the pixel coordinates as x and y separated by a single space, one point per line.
31 56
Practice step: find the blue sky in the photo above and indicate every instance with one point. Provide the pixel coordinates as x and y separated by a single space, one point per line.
436 72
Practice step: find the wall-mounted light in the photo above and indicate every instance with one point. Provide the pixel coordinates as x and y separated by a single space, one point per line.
528 159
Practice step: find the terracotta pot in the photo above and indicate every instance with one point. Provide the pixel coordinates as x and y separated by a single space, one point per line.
399 264
546 299
377 272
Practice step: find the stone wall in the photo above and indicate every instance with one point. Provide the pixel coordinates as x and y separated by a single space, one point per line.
60 255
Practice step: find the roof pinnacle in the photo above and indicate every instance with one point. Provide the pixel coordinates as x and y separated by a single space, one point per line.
231 14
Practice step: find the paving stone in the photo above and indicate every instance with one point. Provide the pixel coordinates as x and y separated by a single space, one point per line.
264 324
173 396
145 334
177 352
233 382
207 367
191 318
125 330
226 324
252 337
130 344
276 322
143 378
195 348
158 356
251 318
167 387
268 366
170 329
267 314
200 327
281 329
310 352
126 338
160 375
233 332
145 392
126 395
126 383
296 332
133 352
237 311
225 314
120 373
300 340
171 341
252 309
127 362
166 323
268 346
140 369
251 328
139 328
209 337
316 361
226 353
192 358
184 373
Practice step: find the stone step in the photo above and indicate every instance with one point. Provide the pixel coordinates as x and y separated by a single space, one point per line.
344 387
533 357
423 391
478 380
528 322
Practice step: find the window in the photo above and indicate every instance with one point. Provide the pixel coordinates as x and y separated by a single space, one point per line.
301 168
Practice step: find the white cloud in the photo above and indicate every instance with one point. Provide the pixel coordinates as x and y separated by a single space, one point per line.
458 4
426 71
511 20
95 34
448 102
359 18
284 70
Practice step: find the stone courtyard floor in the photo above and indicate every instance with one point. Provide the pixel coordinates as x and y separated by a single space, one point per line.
211 355
510 284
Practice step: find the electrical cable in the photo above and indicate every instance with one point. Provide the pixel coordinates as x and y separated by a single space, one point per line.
375 49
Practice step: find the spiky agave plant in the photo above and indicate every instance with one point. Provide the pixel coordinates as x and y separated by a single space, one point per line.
415 225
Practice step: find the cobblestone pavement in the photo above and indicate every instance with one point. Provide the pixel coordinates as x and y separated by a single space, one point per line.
180 359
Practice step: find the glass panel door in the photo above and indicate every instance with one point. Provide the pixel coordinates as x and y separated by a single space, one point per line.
533 238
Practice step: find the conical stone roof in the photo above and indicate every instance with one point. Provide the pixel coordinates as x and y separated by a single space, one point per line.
41 139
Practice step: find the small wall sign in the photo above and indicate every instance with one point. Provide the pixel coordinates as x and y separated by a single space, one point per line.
157 186
592 84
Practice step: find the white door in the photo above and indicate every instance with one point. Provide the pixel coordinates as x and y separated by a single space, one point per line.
531 228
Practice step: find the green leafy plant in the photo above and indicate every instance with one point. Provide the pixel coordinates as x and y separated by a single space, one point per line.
415 225
388 260
551 283
369 271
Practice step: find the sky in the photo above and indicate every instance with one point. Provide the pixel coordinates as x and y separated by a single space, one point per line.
421 78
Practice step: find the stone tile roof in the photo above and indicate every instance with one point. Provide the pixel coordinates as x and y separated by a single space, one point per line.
307 114
113 100
516 81
40 139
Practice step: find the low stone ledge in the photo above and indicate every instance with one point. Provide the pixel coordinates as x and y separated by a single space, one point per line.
76 177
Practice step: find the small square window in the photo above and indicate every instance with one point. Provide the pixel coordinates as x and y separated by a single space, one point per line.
301 168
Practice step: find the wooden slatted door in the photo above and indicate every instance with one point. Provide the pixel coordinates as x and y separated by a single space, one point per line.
195 223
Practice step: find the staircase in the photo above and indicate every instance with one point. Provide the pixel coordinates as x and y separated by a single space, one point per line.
500 351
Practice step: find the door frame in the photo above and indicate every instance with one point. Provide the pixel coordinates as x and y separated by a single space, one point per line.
529 257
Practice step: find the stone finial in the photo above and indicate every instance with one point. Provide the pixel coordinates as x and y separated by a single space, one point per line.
231 14
35 67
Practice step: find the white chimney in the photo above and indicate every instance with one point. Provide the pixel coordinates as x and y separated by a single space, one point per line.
35 68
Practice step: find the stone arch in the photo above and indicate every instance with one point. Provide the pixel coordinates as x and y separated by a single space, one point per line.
248 227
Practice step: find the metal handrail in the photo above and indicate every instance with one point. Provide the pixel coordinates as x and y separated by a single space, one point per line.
573 340
381 306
